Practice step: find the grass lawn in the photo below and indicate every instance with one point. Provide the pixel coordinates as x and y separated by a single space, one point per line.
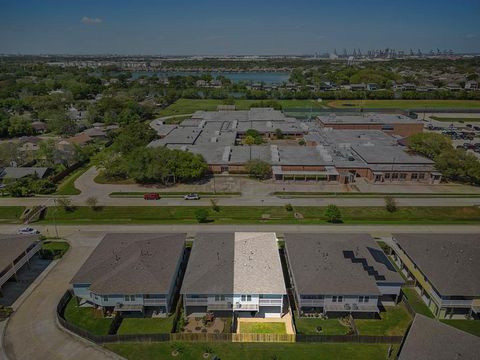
54 249
308 326
394 322
189 106
101 179
416 302
304 194
172 194
146 325
67 187
262 328
470 326
453 119
83 318
257 351
10 214
262 215
406 104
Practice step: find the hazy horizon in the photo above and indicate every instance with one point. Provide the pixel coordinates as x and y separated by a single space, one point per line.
188 28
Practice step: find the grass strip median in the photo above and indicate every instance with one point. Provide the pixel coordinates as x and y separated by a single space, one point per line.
259 215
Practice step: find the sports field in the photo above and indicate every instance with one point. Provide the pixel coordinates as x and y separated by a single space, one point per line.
405 104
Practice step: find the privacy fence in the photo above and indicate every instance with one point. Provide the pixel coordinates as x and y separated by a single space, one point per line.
205 337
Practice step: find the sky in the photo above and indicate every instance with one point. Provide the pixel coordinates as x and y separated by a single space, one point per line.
215 27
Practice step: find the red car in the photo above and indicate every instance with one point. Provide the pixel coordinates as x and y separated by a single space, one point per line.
151 196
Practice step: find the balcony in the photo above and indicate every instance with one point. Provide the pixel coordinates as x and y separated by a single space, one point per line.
346 307
196 302
245 307
312 302
154 302
219 306
271 302
457 303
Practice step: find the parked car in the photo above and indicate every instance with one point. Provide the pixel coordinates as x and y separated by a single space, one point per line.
28 231
477 128
192 196
469 126
151 196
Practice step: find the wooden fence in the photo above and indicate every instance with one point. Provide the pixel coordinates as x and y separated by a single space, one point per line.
362 339
228 337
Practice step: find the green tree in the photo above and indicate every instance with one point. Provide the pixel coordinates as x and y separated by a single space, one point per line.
429 144
201 215
390 204
258 169
333 214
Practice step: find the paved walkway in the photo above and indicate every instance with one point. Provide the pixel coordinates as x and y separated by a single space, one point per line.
32 332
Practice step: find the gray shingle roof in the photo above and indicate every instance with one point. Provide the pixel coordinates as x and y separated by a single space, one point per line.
227 263
20 172
429 339
12 246
451 262
338 264
132 264
210 266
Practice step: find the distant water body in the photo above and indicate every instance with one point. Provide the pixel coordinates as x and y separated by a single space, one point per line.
250 77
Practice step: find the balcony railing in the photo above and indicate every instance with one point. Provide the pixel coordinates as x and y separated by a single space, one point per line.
240 306
219 306
346 307
312 302
196 302
154 302
455 303
271 302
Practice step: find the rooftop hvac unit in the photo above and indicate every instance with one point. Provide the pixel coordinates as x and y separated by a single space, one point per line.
274 153
226 153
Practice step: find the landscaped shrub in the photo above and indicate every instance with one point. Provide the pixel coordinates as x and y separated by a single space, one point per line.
201 215
333 214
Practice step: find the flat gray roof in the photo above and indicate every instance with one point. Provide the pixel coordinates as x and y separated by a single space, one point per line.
132 264
377 154
430 339
234 263
338 264
12 246
451 262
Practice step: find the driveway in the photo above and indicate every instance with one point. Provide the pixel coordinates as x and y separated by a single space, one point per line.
32 332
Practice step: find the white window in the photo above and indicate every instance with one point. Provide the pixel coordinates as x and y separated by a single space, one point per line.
217 297
340 298
105 298
366 299
244 297
249 297
132 297
126 298
334 299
